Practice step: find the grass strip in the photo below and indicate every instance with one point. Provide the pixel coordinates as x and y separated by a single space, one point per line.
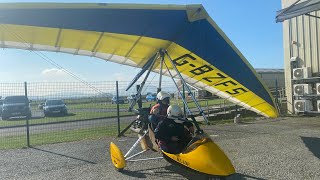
20 141
70 117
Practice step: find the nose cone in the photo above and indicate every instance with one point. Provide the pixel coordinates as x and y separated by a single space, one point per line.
205 157
117 157
216 162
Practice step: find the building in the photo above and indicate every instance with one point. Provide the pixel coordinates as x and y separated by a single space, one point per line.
194 90
273 78
301 40
275 82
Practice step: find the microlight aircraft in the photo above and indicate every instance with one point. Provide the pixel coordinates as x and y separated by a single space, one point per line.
200 155
133 35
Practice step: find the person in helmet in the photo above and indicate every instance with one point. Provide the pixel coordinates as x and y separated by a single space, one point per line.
175 132
159 111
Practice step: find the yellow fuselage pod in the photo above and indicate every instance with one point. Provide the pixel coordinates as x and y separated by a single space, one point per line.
206 157
117 157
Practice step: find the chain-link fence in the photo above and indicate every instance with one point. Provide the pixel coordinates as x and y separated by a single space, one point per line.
65 111
68 111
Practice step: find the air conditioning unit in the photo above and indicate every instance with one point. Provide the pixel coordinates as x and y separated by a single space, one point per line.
318 105
302 105
302 89
318 88
300 73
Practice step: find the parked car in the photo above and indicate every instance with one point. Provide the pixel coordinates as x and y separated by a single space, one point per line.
151 97
15 106
1 103
40 106
121 100
131 98
55 106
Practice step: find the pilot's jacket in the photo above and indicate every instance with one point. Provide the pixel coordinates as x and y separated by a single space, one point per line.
158 113
168 128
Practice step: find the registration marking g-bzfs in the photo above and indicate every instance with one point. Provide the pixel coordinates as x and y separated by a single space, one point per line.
204 69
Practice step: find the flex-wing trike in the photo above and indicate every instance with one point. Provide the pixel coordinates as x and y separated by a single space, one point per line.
201 154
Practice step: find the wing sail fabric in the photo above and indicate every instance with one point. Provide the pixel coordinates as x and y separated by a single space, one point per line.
132 34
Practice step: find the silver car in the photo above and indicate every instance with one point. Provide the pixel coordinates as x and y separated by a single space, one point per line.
55 107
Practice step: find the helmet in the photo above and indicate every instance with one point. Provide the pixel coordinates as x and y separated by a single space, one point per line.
162 95
174 111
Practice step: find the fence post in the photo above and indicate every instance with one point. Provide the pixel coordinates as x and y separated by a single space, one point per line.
118 111
208 111
277 97
139 102
224 108
236 109
27 117
184 97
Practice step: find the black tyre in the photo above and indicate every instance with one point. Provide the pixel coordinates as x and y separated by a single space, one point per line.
215 178
119 169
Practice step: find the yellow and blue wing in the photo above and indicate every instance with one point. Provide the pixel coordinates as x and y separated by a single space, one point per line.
131 33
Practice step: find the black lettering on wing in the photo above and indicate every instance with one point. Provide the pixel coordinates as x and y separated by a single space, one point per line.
226 83
184 60
219 76
201 70
237 91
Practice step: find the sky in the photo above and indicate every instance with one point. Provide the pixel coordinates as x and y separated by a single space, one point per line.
249 24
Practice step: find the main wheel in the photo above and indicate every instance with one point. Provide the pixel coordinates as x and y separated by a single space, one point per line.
119 169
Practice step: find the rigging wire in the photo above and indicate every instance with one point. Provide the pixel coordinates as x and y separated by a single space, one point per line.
52 62
149 83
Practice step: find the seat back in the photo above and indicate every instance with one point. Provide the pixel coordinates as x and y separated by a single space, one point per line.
153 145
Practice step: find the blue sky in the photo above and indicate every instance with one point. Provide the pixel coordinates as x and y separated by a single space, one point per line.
250 25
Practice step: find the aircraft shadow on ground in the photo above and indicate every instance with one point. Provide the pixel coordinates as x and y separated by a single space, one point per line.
239 176
170 172
313 144
197 176
63 155
135 174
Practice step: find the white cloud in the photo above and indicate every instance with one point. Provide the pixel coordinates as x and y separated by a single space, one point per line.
55 74
53 71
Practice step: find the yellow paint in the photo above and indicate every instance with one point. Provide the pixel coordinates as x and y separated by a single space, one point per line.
28 34
78 39
217 79
117 157
206 157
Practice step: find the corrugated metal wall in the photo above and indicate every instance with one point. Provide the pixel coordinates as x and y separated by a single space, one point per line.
273 79
301 38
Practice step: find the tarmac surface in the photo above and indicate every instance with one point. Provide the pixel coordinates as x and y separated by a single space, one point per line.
282 148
